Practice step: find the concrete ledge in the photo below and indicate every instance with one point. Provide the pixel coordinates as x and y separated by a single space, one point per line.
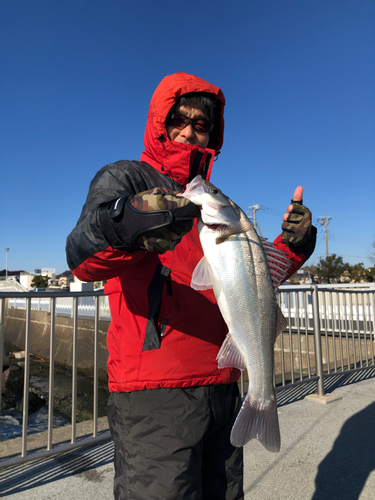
325 400
61 435
40 326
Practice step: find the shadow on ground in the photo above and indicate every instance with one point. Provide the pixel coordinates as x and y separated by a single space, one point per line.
344 471
38 473
292 394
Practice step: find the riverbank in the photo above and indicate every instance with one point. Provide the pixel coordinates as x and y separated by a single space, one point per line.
39 385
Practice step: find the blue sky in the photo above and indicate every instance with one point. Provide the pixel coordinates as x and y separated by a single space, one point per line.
77 78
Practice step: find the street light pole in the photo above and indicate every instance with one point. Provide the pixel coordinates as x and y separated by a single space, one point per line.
6 265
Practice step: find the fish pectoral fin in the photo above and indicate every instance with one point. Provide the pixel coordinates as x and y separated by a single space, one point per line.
281 321
259 420
202 276
229 355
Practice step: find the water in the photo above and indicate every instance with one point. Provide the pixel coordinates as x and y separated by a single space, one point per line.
11 422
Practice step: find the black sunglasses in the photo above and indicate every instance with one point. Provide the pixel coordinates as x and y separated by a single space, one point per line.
177 120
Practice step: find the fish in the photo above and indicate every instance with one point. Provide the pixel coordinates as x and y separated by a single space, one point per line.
244 272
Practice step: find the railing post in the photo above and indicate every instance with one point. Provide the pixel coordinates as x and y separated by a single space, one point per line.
25 409
51 388
96 342
74 369
317 340
2 321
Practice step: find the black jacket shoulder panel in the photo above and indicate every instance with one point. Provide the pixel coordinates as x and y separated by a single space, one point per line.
115 180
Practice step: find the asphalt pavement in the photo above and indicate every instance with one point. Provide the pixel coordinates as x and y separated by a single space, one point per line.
327 453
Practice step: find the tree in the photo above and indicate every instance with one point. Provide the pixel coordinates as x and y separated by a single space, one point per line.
330 269
40 281
359 274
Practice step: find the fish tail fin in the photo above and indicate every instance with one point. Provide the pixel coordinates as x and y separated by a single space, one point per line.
255 420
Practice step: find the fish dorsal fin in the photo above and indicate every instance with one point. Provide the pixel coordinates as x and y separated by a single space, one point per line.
229 355
278 263
203 277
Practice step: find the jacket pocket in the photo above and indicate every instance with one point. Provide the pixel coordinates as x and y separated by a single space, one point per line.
156 322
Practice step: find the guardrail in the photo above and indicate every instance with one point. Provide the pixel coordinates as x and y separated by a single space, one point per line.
50 450
330 331
11 284
40 301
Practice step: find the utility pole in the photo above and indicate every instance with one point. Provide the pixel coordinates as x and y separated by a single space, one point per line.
323 221
254 208
6 265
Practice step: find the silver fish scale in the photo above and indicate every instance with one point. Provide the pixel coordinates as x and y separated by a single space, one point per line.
242 283
248 304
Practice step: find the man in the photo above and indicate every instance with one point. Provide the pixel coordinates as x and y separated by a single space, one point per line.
171 409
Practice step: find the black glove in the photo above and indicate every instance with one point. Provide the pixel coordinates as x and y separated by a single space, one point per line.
298 232
154 220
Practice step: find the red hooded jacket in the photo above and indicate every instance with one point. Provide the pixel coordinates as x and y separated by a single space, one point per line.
163 333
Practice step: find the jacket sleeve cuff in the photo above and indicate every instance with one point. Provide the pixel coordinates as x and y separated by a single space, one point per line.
308 249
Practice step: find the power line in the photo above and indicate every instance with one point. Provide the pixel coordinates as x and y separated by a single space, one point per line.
321 239
272 211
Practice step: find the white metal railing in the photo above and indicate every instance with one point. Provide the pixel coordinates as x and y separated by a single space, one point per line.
350 307
290 298
96 436
11 285
329 331
64 305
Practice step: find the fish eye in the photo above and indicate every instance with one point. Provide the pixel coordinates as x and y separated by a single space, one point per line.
215 191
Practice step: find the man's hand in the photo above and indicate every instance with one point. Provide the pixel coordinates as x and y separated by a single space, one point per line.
297 223
158 235
153 220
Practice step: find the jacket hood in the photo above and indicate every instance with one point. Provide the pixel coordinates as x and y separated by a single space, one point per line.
180 161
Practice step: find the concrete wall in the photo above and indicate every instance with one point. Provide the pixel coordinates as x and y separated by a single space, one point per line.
337 353
81 286
40 326
288 356
25 280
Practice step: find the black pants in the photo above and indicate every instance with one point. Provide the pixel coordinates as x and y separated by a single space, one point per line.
173 444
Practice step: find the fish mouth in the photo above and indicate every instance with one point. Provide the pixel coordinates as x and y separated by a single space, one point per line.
216 206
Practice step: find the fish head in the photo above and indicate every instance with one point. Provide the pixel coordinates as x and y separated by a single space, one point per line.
216 208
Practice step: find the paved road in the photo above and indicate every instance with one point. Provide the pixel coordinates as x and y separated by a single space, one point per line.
327 453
